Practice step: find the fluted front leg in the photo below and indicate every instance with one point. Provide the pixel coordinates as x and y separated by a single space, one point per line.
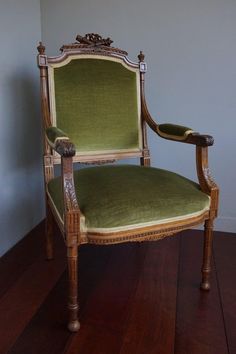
49 233
207 251
72 256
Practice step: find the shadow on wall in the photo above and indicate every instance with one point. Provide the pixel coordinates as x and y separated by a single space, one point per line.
22 195
24 129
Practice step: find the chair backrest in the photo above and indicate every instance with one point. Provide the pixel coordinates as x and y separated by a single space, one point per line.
94 97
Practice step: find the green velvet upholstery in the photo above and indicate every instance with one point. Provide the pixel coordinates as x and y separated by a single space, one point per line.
97 104
53 134
121 195
173 129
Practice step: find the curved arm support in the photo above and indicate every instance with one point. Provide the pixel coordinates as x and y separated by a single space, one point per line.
175 132
71 206
206 181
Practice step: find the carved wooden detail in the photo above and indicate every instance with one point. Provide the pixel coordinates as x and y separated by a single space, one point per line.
70 199
147 236
141 56
94 39
48 168
110 156
200 139
146 233
92 42
41 48
142 64
98 162
205 178
65 148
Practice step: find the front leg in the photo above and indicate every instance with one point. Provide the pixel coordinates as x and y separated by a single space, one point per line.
73 307
207 251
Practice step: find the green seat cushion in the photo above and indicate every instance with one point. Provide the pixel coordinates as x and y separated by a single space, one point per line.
118 196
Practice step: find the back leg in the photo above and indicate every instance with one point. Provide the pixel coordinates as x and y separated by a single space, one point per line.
207 251
49 232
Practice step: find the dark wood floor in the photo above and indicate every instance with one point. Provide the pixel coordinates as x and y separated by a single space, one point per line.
134 298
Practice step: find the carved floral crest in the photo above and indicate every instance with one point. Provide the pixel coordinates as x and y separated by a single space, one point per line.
94 39
93 42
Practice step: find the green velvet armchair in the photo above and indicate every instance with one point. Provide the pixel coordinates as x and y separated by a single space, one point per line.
94 112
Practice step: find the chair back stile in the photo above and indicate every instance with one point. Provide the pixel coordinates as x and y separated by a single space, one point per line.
93 93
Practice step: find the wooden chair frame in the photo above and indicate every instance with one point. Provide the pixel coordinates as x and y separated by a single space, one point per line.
93 44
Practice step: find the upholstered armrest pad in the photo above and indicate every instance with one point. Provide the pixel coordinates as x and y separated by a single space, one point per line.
53 134
60 142
184 134
173 130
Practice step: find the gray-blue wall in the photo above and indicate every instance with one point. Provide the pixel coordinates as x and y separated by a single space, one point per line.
21 183
190 50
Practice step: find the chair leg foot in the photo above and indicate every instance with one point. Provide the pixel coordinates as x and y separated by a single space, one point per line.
207 251
73 307
205 286
74 326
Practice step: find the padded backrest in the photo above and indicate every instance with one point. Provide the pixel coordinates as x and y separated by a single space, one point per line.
97 103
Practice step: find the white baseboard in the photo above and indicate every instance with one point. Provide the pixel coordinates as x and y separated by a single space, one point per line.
223 223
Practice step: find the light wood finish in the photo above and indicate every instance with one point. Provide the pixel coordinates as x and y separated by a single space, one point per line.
145 159
72 255
207 251
94 45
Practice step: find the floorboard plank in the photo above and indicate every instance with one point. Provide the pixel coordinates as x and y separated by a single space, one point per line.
47 331
105 314
108 306
225 261
199 322
21 256
25 296
134 298
95 339
151 326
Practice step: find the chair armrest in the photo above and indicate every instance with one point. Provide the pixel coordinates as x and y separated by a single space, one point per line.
178 132
187 135
183 134
60 142
175 132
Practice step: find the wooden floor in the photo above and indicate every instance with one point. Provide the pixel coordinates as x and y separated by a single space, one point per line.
134 298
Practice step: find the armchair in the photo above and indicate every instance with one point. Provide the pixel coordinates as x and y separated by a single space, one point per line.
94 112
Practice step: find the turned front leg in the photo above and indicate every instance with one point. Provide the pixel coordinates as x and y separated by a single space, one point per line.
207 251
72 256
